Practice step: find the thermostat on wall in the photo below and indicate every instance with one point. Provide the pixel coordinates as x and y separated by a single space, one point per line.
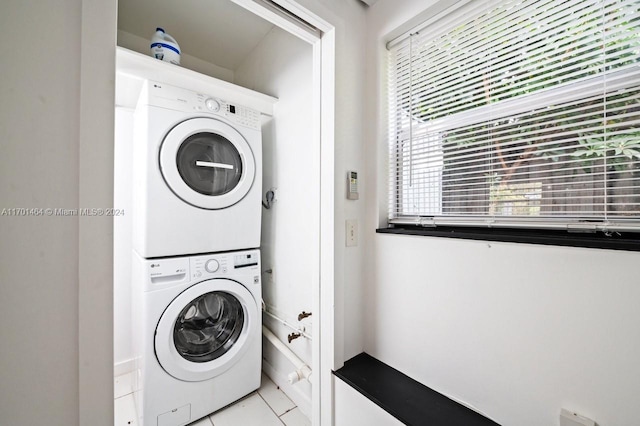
352 185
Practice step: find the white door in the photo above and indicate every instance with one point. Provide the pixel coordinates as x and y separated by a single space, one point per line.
207 163
206 329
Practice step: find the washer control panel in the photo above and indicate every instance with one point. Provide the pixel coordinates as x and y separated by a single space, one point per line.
242 266
246 260
208 266
167 96
225 264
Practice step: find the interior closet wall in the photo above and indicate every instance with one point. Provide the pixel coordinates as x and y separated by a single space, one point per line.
281 66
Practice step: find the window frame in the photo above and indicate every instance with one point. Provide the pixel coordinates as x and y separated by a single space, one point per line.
580 231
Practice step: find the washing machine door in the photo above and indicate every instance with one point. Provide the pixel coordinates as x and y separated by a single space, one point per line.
206 330
207 163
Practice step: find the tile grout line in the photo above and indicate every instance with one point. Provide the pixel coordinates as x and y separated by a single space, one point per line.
274 413
290 409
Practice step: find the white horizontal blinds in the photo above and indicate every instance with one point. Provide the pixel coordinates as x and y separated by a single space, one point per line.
416 153
521 114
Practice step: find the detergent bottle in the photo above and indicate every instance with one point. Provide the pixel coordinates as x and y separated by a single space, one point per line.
165 47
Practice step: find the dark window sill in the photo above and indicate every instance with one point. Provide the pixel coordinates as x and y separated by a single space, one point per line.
622 241
407 400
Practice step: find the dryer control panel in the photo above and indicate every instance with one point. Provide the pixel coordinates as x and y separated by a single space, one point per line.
171 97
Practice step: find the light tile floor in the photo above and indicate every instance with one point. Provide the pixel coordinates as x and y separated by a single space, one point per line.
268 406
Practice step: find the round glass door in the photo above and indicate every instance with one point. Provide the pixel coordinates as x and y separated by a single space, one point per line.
207 163
208 327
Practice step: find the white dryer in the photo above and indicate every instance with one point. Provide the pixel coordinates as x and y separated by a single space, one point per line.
197 334
197 173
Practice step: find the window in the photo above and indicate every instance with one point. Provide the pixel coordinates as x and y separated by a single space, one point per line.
518 114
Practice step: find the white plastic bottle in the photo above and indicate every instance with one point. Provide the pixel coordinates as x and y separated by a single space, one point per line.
165 47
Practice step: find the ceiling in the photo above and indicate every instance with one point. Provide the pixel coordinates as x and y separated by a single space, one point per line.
217 31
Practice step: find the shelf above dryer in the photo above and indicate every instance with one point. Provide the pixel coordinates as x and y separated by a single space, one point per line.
133 68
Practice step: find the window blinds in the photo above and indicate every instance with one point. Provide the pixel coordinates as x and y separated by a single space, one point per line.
518 114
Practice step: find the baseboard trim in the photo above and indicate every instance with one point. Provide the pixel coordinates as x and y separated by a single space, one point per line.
123 367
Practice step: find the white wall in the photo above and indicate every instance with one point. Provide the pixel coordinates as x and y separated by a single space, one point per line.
516 330
281 66
351 99
39 121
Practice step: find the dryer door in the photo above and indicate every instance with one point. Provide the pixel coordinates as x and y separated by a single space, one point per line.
207 163
206 329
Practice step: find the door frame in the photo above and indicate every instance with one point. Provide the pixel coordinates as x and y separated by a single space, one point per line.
96 174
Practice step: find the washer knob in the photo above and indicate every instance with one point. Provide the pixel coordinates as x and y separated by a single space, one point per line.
212 104
212 265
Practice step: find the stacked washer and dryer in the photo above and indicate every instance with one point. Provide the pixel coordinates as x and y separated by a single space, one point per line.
196 201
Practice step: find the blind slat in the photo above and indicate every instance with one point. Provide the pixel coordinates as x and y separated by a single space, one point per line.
518 109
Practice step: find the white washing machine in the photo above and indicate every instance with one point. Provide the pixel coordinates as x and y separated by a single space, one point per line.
197 173
197 334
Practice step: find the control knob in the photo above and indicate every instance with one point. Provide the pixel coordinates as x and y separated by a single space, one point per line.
212 104
212 265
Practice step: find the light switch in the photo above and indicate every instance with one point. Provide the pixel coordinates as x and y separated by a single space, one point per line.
352 233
